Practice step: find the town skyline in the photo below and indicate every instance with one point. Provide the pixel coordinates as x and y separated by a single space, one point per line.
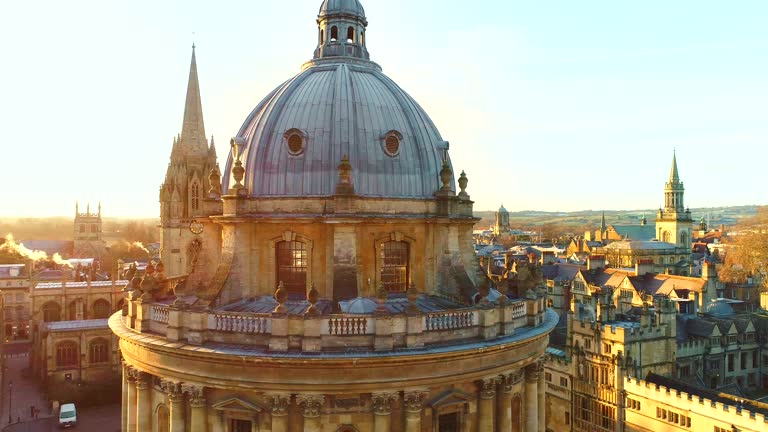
553 110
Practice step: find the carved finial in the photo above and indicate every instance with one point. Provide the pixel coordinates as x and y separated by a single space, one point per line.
238 172
281 295
345 187
463 180
381 298
445 178
312 296
214 179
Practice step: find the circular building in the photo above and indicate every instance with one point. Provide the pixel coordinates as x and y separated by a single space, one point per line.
325 280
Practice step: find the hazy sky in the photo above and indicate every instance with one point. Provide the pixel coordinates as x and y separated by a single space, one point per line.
556 105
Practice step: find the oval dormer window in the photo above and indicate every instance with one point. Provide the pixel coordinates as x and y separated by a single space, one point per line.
392 142
296 141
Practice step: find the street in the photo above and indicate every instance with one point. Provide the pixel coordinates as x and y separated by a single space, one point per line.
25 393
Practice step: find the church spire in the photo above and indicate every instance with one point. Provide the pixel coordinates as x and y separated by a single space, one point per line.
602 223
673 175
193 130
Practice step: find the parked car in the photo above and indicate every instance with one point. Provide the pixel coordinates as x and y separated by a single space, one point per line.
67 415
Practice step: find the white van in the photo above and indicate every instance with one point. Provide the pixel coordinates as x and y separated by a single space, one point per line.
67 415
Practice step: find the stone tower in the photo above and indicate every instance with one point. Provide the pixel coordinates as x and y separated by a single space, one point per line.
87 233
674 223
192 183
502 221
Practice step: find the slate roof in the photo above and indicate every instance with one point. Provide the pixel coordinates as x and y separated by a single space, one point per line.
636 232
77 325
640 245
560 272
663 284
605 276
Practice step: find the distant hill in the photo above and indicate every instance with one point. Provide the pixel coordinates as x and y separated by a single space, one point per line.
591 218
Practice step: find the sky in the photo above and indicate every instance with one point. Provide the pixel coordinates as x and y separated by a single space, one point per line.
560 105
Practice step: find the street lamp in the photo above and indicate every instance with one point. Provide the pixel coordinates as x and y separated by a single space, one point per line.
10 394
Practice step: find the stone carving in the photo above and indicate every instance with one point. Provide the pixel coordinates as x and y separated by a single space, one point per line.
312 297
510 380
214 179
279 404
172 388
382 403
196 395
310 404
532 373
445 177
143 380
281 295
488 388
414 400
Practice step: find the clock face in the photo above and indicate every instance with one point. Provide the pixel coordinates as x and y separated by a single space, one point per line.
196 227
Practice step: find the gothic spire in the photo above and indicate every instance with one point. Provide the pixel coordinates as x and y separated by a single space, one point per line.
602 223
193 129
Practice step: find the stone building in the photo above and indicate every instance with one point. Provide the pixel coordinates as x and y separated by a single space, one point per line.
14 287
501 225
329 279
87 237
71 339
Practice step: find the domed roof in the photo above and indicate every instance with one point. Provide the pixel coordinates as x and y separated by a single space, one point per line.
502 209
359 305
719 307
340 105
330 7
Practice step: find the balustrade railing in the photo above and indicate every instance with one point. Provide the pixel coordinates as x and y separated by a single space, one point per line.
348 326
241 323
449 320
518 310
160 314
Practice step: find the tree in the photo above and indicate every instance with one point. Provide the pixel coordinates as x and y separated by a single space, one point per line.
747 256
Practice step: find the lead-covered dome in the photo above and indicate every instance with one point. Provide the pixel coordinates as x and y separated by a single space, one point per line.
341 104
352 7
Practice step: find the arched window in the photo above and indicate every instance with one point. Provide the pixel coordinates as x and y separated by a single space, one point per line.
334 34
665 237
100 309
66 354
683 238
163 418
394 266
72 311
350 35
292 266
51 312
195 196
98 351
322 37
517 412
362 38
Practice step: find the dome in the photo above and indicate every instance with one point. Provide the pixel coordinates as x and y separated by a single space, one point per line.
340 104
503 210
332 7
359 305
719 307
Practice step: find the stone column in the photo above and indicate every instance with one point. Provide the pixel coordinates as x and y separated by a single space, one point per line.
130 421
414 403
382 411
311 405
279 409
541 405
176 399
124 400
487 397
504 409
144 402
198 419
531 398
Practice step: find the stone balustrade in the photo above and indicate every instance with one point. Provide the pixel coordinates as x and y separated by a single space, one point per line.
337 332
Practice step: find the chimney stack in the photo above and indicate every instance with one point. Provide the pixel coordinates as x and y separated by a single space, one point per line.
595 262
643 266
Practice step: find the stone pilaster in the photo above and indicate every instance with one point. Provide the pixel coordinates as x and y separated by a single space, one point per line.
279 404
541 396
382 411
504 408
143 402
487 398
198 407
413 401
124 400
531 398
176 402
311 407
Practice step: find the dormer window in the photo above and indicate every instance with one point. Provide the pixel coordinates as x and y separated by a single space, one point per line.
295 141
392 140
